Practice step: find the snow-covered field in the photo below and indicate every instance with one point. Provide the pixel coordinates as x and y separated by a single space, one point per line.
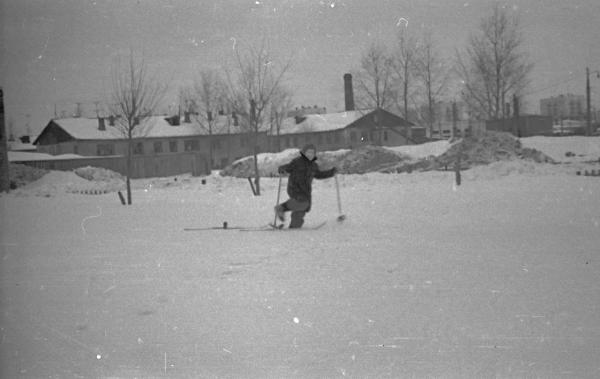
496 278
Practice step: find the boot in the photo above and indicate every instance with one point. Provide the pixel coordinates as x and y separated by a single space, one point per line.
280 212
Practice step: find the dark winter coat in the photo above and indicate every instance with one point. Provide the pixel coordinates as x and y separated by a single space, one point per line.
302 171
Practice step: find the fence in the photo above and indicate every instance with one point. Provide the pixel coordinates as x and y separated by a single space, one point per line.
142 167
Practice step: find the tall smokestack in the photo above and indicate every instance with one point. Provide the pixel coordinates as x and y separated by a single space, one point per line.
348 92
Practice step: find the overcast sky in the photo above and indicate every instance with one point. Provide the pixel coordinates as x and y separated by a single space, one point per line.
60 52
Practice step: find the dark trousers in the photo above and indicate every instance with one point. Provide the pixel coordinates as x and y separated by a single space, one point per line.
298 209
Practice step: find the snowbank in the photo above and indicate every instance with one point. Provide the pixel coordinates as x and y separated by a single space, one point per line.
504 168
566 149
84 180
491 156
487 148
482 149
422 151
21 174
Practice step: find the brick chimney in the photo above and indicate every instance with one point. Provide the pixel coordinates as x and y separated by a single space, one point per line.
101 125
186 117
348 92
111 120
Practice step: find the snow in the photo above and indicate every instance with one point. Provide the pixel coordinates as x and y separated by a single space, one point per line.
424 150
22 156
155 126
584 149
497 277
321 122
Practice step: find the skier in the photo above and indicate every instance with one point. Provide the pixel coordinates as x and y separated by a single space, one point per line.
302 170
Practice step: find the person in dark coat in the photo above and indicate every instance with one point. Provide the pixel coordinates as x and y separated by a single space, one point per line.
302 170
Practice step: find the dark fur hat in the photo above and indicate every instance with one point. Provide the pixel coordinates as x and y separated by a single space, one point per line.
309 146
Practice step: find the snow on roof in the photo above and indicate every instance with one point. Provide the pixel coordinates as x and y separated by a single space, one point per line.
321 122
152 127
21 156
87 128
20 146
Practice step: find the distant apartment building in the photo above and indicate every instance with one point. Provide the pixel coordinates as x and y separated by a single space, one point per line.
563 107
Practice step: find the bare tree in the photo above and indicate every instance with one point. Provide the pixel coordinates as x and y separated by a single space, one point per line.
252 86
135 97
405 56
207 100
375 78
281 105
433 74
492 67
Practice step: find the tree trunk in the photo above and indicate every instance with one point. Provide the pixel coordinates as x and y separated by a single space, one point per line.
129 168
256 173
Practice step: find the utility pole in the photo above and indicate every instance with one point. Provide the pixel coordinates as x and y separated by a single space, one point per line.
4 164
588 99
588 130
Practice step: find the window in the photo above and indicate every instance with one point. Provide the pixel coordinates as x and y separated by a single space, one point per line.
138 148
216 143
104 149
385 135
173 146
158 147
191 145
75 149
352 137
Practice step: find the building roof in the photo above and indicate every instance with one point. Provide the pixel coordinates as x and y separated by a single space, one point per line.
153 127
81 128
320 122
327 122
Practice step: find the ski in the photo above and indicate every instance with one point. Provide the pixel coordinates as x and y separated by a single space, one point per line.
214 228
272 227
223 227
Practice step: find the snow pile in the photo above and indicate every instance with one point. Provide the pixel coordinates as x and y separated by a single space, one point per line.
21 174
500 169
487 148
357 161
83 180
566 149
477 150
104 180
55 182
267 164
424 150
368 159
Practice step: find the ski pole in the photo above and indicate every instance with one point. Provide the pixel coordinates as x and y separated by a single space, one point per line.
341 217
277 203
